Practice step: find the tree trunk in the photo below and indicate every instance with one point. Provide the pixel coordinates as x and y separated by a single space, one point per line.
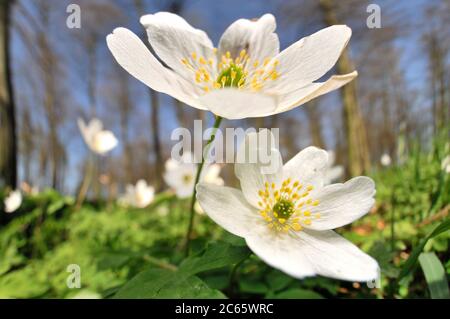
356 135
8 143
438 85
48 65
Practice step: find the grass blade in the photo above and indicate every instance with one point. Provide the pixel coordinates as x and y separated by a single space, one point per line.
412 260
435 275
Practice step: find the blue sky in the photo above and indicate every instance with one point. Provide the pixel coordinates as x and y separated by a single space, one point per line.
212 16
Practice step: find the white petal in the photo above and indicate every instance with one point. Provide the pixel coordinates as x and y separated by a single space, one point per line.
213 171
333 256
331 158
141 185
258 162
211 174
385 160
136 59
308 167
313 90
257 37
333 173
94 126
310 58
341 204
281 252
184 190
234 104
13 201
144 199
171 164
85 132
175 177
228 208
104 141
173 39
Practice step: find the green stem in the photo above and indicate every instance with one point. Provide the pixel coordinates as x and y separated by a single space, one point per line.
217 122
233 275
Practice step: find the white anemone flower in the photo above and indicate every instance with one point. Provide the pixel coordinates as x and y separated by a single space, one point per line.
13 201
100 141
445 165
334 172
287 217
180 175
245 76
385 159
212 177
139 195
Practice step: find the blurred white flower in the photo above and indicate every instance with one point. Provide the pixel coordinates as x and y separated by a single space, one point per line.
246 76
287 217
13 201
333 172
198 209
140 195
98 140
445 165
385 159
180 175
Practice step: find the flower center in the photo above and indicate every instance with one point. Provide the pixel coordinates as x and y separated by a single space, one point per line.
287 207
238 72
283 208
187 178
231 76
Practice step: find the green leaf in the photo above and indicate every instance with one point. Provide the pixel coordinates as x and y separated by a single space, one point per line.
252 286
217 281
58 204
216 256
380 252
412 260
233 239
435 275
162 283
113 260
296 293
278 280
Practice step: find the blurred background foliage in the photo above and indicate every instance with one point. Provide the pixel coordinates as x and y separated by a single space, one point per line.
51 75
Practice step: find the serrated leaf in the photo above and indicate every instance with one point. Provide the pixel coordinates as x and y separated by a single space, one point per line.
435 275
412 260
